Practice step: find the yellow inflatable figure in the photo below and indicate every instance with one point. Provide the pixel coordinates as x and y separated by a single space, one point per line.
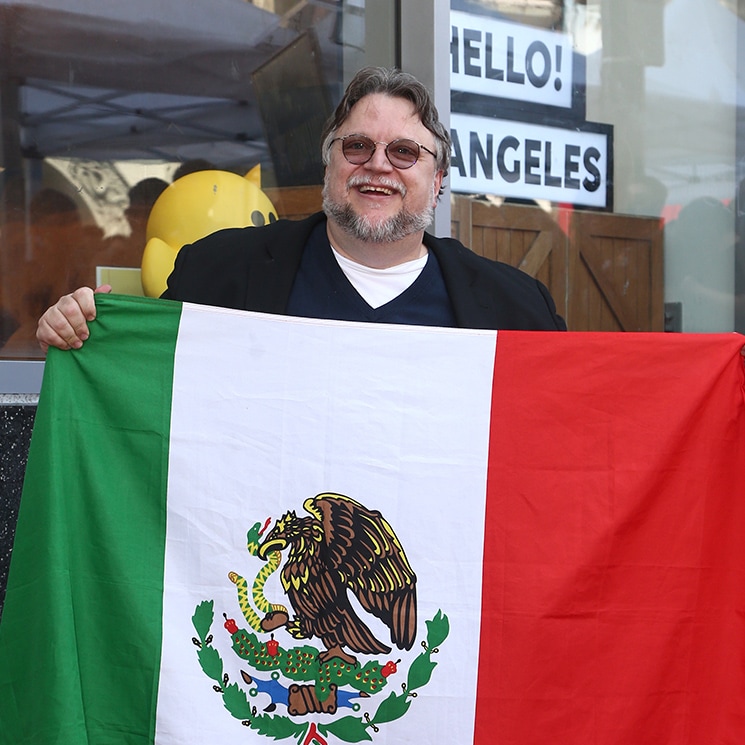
194 206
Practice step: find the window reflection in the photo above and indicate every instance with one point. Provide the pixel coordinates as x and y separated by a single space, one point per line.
663 74
103 105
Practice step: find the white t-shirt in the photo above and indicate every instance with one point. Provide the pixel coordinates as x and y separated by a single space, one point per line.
380 286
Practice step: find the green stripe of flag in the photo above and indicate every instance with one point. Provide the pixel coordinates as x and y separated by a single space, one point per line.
84 568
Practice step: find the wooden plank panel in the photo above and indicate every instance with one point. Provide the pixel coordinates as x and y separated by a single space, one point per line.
621 284
526 237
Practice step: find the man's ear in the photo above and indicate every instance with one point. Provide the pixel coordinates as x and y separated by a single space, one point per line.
436 187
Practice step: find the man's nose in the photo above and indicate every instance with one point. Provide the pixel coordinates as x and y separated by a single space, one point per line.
379 160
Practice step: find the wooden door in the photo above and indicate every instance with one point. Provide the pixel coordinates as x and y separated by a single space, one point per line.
604 271
523 236
616 273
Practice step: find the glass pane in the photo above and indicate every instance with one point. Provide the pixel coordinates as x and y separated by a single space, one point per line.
600 148
105 104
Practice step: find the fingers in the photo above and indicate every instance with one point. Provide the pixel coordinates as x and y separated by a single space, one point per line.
65 324
54 331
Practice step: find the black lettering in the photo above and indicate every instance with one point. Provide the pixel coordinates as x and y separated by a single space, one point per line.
591 157
532 162
549 179
456 156
485 158
471 52
510 176
491 72
454 49
538 48
512 76
571 166
557 82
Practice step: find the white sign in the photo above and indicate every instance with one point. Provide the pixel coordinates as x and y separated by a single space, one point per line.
506 60
529 161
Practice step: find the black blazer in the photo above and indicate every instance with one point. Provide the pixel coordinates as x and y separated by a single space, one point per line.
254 269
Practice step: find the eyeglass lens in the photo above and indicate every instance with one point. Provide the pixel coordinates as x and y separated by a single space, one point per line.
358 149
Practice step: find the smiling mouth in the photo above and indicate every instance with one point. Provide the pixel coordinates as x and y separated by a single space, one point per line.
371 189
378 187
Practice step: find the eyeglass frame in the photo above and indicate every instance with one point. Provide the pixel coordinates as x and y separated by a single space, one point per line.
387 145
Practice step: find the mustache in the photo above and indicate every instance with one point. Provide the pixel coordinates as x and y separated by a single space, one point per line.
388 183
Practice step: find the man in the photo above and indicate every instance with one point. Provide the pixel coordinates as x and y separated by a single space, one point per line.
366 257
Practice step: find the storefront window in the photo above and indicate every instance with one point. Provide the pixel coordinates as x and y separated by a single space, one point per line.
597 142
102 105
600 149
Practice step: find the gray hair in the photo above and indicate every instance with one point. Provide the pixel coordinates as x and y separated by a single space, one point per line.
391 83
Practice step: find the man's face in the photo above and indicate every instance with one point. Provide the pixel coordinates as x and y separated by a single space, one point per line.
375 201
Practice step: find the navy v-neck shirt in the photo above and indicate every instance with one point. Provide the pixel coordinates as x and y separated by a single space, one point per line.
322 290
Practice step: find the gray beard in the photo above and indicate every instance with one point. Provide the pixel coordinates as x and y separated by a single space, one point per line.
401 225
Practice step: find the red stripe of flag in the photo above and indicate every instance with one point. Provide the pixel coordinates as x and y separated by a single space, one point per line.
614 566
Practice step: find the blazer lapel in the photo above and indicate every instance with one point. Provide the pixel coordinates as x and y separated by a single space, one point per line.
471 297
275 263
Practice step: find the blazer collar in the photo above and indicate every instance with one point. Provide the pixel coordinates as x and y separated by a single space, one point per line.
470 295
278 257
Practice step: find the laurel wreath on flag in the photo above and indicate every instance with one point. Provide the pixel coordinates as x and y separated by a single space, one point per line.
349 728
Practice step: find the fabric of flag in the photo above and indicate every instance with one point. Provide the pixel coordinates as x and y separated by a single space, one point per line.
541 534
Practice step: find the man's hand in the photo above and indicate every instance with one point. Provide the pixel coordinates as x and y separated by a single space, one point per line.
65 324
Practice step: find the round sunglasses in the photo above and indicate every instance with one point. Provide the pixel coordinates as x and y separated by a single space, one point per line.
401 153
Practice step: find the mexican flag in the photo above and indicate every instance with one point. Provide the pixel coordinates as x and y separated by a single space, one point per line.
242 528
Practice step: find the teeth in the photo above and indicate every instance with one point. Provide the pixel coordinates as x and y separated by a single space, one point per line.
379 189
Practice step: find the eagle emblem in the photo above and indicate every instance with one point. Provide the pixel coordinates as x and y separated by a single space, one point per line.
341 566
343 547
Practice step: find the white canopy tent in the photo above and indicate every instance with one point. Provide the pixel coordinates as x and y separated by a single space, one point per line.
143 79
